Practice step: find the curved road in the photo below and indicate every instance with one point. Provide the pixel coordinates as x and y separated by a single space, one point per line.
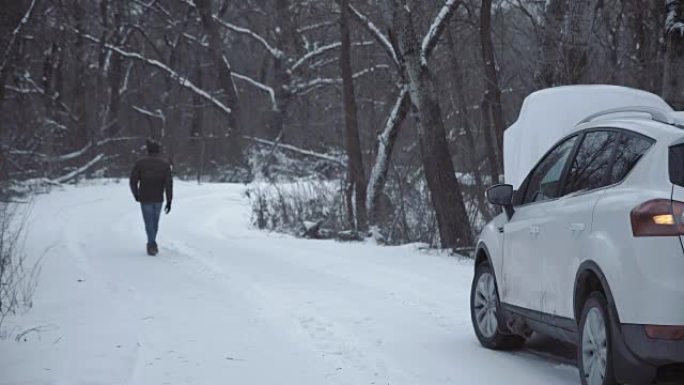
224 303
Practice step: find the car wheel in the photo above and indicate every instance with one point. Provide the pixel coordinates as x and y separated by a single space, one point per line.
595 343
485 312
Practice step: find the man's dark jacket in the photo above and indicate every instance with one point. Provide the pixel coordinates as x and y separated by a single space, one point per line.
151 176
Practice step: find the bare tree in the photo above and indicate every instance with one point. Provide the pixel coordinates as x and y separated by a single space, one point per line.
225 75
445 190
356 179
491 101
82 88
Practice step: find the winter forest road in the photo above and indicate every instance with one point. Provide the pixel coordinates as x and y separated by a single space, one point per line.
224 303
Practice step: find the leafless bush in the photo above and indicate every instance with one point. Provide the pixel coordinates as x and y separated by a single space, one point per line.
316 208
296 207
17 282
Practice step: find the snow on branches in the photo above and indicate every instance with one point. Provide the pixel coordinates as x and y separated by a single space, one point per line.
438 25
181 80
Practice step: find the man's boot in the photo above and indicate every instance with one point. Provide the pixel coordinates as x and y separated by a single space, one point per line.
150 249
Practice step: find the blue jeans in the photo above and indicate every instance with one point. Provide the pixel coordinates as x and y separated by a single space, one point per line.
150 212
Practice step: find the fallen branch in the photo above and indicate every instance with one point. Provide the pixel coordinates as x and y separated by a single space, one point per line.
79 171
298 150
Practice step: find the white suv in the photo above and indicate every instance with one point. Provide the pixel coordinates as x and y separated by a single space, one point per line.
589 250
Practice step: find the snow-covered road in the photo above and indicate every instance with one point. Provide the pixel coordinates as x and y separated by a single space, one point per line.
226 304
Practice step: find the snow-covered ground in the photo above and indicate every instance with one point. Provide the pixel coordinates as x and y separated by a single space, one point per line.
226 304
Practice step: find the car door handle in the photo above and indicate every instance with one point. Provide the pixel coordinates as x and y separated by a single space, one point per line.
534 230
576 227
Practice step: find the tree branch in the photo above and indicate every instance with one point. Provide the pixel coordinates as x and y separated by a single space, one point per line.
275 52
181 80
319 82
437 27
323 49
298 150
376 33
260 86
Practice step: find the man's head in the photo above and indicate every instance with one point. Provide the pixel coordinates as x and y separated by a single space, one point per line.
153 147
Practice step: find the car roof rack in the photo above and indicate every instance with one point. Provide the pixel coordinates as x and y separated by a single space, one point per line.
656 114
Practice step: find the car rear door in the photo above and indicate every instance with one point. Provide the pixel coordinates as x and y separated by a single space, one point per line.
522 263
565 238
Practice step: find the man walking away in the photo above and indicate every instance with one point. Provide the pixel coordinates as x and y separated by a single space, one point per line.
150 178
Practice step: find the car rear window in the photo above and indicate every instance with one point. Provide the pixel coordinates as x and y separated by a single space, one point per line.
630 149
676 164
590 168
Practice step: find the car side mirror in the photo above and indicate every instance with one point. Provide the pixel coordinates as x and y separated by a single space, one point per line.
501 195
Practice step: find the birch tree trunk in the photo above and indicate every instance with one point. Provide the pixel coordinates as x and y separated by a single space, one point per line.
673 80
225 80
400 109
445 190
356 180
386 142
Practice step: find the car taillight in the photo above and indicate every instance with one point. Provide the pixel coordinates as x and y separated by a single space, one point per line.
658 217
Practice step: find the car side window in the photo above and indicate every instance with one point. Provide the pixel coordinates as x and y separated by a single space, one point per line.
545 180
590 167
631 148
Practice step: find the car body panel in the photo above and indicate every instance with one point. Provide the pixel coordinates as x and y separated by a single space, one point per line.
565 242
523 257
491 241
644 273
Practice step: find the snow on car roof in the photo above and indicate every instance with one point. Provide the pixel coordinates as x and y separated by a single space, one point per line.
548 115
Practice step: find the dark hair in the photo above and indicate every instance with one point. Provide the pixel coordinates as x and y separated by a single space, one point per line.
153 147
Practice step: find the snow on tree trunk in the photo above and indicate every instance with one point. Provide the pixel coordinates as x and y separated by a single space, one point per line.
673 80
387 138
445 190
356 180
225 79
386 141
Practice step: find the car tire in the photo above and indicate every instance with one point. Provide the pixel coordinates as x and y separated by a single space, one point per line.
486 314
594 350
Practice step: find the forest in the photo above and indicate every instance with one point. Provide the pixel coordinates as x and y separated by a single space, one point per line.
344 117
